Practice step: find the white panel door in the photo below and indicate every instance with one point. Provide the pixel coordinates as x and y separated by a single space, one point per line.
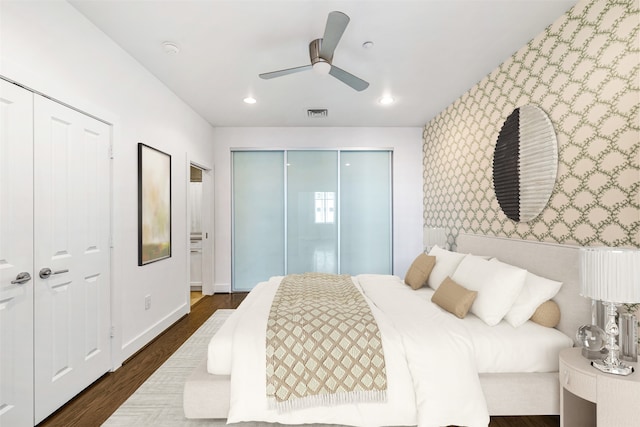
207 232
16 255
71 204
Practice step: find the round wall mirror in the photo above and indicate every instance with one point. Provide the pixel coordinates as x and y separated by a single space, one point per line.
525 163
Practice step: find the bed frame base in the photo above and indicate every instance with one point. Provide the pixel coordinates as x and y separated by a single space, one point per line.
521 393
207 396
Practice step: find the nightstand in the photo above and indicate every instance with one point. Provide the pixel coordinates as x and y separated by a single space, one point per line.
589 397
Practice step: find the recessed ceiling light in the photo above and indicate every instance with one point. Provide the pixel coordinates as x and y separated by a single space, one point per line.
249 100
170 47
367 44
386 100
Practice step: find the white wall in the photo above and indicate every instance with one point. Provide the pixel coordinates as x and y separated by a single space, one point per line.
407 180
50 47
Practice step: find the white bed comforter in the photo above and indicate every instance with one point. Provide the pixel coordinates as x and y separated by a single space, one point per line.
431 373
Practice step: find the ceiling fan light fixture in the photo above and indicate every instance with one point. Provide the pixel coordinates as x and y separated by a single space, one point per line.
321 67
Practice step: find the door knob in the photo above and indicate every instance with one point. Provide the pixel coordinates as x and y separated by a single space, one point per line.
21 278
46 272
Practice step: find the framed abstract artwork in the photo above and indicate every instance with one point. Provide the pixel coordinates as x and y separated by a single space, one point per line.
154 205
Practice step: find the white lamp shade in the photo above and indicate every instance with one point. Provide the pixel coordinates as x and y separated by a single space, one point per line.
610 274
434 236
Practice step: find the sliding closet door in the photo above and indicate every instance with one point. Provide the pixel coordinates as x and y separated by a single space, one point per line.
258 217
298 211
365 212
312 220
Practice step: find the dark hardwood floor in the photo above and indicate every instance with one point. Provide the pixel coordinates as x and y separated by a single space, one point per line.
95 404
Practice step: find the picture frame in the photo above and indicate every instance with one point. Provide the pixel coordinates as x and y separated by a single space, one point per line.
154 205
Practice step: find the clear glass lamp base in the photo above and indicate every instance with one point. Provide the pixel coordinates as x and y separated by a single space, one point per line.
612 364
620 369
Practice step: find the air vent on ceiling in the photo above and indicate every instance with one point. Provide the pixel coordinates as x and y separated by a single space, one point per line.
318 113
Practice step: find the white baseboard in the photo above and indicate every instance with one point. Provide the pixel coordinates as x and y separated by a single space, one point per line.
135 344
222 288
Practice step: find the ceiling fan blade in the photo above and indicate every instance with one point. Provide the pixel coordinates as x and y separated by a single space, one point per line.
336 24
348 79
279 73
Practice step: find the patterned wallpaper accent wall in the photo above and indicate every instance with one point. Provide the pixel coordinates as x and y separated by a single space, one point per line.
584 72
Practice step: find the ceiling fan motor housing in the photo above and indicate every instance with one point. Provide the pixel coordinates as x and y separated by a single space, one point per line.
317 61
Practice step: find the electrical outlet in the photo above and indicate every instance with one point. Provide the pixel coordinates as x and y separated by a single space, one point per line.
147 302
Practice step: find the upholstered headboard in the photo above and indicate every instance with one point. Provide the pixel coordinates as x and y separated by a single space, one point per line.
550 260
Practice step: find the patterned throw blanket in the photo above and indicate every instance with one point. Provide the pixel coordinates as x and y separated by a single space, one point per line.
323 344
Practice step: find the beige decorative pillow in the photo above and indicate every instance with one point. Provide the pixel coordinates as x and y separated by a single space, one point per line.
419 271
547 314
454 298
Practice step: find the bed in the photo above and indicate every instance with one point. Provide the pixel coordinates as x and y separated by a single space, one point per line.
519 390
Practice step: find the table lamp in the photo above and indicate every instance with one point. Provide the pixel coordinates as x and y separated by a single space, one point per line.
611 275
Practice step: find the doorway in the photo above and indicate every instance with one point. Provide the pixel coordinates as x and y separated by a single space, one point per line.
200 236
195 234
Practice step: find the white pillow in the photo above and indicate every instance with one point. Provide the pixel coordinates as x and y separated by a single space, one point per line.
446 263
498 286
535 291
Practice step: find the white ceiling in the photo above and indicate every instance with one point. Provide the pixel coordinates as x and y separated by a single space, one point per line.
426 53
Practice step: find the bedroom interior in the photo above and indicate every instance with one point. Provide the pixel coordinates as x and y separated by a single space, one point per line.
580 65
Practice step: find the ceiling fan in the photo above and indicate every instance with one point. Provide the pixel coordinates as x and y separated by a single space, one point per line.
321 54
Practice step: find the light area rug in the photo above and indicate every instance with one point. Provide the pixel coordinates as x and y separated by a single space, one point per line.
158 401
